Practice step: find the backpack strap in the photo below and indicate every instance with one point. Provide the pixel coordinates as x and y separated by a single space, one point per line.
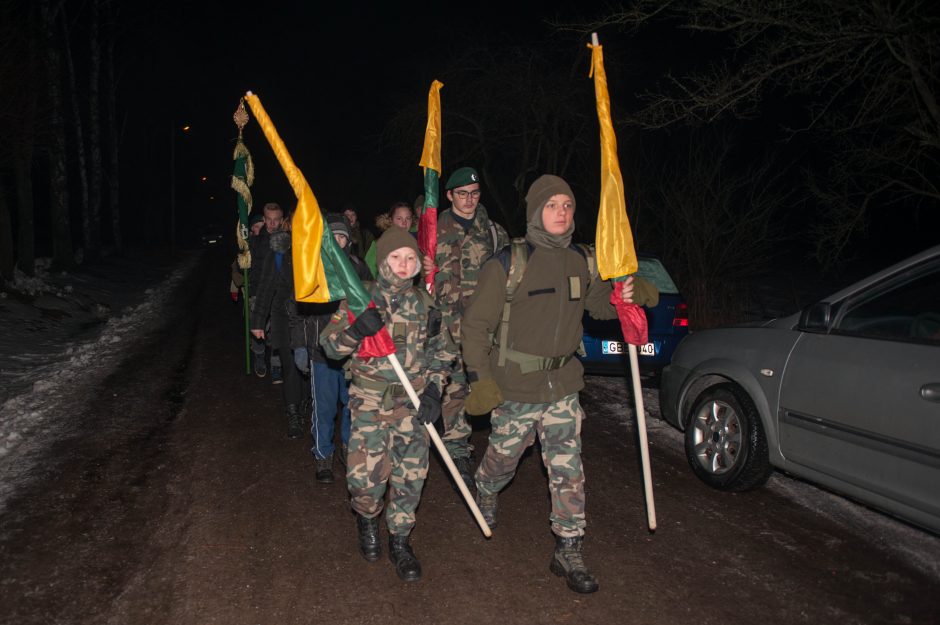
495 237
587 252
519 256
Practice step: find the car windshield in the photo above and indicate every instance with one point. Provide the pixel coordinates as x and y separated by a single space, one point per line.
652 270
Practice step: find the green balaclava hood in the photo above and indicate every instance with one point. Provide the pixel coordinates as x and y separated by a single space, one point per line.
539 193
392 239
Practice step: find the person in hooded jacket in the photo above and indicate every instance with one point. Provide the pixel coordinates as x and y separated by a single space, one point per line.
532 385
388 443
328 386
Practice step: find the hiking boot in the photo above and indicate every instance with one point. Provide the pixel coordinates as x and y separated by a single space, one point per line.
276 376
487 505
369 545
294 420
260 368
568 562
465 469
325 470
401 555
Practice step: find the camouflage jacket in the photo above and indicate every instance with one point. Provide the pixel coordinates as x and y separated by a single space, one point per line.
460 255
423 347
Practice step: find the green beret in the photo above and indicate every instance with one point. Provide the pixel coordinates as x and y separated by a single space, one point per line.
461 178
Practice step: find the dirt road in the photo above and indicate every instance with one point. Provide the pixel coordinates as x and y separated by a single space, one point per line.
181 501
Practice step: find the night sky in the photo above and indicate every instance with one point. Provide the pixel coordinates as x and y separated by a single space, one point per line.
330 77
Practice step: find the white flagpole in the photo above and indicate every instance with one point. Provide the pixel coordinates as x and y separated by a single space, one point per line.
439 445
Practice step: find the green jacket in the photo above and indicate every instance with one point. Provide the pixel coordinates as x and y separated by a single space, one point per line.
545 321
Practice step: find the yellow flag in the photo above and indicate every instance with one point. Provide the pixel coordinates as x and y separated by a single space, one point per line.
431 154
616 255
310 283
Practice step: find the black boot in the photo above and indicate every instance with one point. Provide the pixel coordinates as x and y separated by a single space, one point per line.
488 505
325 470
401 555
369 545
465 470
294 421
569 563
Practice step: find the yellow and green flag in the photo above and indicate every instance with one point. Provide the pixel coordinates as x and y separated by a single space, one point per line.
322 271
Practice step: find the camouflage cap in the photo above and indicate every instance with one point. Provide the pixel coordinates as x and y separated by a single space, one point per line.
461 178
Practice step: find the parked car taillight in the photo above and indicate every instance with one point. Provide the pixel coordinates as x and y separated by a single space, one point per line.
682 315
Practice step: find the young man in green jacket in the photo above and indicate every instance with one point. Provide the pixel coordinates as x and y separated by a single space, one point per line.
529 376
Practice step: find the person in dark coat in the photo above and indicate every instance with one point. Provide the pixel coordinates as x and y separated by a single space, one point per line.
274 298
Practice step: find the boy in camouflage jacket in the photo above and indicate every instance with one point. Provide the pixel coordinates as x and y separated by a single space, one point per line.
388 447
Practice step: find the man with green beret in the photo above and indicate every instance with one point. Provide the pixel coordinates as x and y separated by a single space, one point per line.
466 236
529 376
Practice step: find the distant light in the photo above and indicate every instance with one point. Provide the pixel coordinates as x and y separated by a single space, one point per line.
185 128
211 197
203 178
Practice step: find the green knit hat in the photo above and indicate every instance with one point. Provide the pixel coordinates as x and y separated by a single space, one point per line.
392 239
461 178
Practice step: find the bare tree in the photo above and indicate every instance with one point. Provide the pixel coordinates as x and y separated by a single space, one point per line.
58 183
94 130
88 229
713 223
20 111
865 74
113 175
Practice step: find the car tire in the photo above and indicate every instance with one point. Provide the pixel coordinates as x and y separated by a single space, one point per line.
725 442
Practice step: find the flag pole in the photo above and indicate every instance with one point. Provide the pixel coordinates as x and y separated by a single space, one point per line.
439 445
635 375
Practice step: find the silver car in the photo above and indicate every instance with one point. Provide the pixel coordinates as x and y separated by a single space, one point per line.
845 394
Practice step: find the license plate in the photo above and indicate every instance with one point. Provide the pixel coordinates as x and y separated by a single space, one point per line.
611 347
616 347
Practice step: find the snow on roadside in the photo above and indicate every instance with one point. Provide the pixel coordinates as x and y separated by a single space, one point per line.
61 339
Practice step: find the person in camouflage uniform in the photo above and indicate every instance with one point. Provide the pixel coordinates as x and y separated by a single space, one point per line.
466 237
388 447
532 385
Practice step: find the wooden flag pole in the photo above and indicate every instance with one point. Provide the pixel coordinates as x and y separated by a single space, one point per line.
640 416
439 445
644 445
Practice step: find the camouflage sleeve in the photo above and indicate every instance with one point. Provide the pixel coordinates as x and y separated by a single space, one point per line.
502 237
597 300
481 319
334 339
442 352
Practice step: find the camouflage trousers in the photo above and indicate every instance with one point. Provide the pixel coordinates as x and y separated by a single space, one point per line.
388 451
457 429
558 426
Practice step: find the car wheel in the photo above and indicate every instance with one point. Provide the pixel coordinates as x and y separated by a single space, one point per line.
725 442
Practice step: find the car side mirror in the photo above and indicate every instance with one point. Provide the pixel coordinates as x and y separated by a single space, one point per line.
816 318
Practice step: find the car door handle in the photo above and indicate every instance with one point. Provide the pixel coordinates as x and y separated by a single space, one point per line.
930 392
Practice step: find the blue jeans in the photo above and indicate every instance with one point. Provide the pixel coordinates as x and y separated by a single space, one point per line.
327 388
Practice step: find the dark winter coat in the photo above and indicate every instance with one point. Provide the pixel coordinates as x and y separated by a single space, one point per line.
274 286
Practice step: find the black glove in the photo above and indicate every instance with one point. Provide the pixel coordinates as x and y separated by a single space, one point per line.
430 410
366 324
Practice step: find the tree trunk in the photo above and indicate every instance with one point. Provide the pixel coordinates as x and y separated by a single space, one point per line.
94 128
113 135
6 238
25 230
58 173
88 229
